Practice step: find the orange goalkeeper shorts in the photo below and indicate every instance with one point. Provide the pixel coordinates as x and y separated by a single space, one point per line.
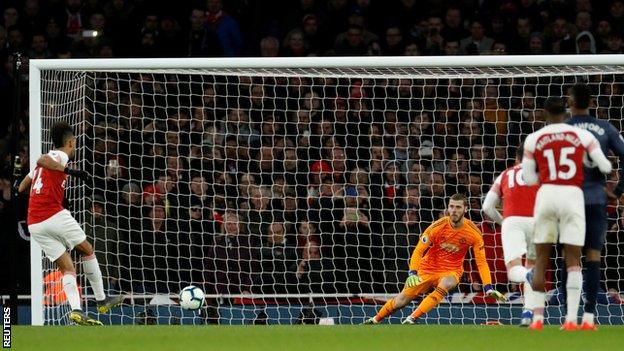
428 281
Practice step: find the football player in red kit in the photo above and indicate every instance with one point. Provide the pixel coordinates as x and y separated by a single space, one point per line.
54 228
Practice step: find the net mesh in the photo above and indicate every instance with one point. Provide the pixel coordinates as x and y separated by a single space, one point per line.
285 191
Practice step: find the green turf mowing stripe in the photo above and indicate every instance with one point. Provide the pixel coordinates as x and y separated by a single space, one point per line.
249 338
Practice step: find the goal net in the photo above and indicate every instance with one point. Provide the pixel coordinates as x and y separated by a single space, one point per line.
295 190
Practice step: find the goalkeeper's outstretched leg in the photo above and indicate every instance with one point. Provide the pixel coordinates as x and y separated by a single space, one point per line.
392 305
414 287
445 284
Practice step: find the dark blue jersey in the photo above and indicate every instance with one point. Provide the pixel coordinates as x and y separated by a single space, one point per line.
609 139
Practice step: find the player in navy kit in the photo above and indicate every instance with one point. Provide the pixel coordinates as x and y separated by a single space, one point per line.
594 192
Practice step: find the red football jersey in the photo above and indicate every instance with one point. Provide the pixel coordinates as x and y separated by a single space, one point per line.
558 150
518 198
47 190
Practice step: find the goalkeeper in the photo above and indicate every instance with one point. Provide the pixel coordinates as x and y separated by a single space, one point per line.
437 262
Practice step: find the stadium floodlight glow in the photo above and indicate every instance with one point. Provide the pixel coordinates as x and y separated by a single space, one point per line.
446 111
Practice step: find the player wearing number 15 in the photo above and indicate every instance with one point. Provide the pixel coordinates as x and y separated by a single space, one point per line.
558 150
54 228
437 262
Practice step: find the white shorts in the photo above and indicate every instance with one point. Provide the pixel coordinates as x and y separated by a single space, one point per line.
57 234
559 213
517 237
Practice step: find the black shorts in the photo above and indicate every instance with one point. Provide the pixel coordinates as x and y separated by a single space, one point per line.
595 226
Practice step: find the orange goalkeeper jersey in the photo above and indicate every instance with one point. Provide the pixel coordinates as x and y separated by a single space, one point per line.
442 248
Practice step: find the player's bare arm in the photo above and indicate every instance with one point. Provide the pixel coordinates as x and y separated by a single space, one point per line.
24 184
492 199
48 162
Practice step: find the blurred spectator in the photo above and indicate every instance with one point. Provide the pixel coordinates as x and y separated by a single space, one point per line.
434 38
477 37
57 40
148 37
108 247
229 264
603 31
129 210
536 44
72 19
585 43
294 44
453 25
498 29
197 232
306 232
522 37
399 239
225 27
5 193
313 35
393 43
562 41
39 48
451 48
201 41
614 44
269 47
171 42
616 16
15 41
154 254
351 43
278 262
10 17
316 273
411 49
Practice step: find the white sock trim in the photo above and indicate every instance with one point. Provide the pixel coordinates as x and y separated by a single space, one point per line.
588 318
93 273
573 289
71 291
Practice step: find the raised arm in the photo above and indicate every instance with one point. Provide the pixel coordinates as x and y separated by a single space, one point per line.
484 270
478 248
529 172
24 184
48 162
492 199
616 144
596 154
421 247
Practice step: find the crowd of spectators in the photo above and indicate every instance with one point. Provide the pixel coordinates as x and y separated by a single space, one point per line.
296 185
141 28
285 185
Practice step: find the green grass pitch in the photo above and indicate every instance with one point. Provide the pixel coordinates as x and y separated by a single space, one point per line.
359 338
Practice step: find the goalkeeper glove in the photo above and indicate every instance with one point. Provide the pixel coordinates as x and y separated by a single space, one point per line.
412 280
489 291
82 175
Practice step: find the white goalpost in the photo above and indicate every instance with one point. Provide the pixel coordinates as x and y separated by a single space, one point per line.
285 185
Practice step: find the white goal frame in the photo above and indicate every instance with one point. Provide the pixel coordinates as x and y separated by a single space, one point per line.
285 63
